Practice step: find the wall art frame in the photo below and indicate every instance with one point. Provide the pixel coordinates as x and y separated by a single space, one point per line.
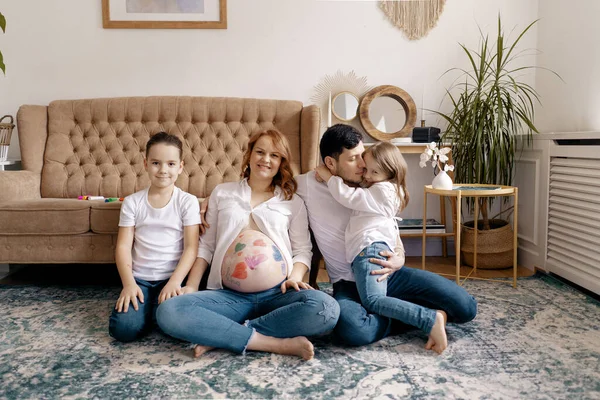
116 16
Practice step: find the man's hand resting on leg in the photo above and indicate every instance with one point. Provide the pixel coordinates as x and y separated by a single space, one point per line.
394 261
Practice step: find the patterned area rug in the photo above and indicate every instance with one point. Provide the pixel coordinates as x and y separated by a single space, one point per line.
537 341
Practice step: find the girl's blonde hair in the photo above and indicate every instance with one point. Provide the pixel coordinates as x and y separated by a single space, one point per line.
391 162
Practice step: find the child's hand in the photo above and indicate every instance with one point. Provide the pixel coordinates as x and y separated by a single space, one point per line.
130 293
171 289
323 173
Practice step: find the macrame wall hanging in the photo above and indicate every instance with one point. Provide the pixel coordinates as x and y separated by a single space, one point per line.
413 17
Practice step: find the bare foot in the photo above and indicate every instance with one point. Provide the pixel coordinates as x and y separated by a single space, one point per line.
297 346
199 350
438 341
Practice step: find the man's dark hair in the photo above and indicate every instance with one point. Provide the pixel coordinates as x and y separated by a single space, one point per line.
164 137
337 138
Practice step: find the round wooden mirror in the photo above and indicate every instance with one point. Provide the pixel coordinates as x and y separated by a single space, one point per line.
387 112
345 106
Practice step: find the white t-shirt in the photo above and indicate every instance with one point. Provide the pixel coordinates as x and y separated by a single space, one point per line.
328 220
158 238
373 212
229 210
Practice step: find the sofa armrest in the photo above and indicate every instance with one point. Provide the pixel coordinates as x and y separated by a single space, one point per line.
310 126
19 185
32 127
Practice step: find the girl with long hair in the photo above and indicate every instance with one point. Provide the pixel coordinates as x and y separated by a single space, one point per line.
372 229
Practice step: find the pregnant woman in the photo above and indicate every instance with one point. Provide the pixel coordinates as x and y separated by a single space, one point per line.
258 247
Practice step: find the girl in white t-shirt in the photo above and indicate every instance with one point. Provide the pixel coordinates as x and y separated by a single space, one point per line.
372 229
157 243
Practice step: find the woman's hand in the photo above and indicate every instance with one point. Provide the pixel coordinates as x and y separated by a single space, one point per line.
171 289
203 224
323 172
291 283
129 294
188 289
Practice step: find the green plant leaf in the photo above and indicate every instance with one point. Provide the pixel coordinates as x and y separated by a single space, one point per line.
490 107
2 66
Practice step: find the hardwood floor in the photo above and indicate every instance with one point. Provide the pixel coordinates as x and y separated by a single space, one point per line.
106 274
446 265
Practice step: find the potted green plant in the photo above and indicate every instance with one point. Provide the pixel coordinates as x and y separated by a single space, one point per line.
492 107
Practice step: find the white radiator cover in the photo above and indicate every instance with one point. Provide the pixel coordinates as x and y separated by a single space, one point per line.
559 208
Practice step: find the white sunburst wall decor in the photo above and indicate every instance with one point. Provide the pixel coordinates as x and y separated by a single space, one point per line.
329 86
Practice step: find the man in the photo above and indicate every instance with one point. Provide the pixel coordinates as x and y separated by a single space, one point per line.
341 149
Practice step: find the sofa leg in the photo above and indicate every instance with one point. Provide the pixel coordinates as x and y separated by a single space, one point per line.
15 267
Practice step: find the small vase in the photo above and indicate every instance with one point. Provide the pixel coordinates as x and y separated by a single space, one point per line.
442 181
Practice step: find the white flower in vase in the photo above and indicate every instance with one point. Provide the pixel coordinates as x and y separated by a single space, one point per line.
438 158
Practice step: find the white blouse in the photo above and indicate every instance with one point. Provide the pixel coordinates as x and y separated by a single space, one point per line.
373 214
328 221
285 222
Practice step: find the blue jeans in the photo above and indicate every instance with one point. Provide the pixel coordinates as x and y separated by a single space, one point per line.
216 318
131 325
373 294
357 327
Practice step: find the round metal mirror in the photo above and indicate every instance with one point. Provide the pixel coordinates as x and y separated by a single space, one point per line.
388 112
345 106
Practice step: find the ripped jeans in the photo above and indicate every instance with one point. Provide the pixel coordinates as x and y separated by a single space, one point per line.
226 319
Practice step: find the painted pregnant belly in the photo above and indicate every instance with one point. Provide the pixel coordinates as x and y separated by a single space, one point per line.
253 263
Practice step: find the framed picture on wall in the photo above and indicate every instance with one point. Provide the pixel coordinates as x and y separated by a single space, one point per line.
164 14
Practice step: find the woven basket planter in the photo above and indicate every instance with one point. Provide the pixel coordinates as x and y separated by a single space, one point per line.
6 129
494 246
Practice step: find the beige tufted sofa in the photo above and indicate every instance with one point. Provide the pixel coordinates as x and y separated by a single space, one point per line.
96 147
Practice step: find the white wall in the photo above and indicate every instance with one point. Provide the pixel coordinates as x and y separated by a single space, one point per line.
568 40
57 49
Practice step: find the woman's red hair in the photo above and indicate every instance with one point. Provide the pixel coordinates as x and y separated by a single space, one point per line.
284 177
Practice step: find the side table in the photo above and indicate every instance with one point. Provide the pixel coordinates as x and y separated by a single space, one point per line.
418 148
472 190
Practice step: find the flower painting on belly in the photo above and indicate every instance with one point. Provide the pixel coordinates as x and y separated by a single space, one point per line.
253 263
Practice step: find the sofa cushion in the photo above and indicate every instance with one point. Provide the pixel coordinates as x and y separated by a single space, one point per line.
45 217
104 217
